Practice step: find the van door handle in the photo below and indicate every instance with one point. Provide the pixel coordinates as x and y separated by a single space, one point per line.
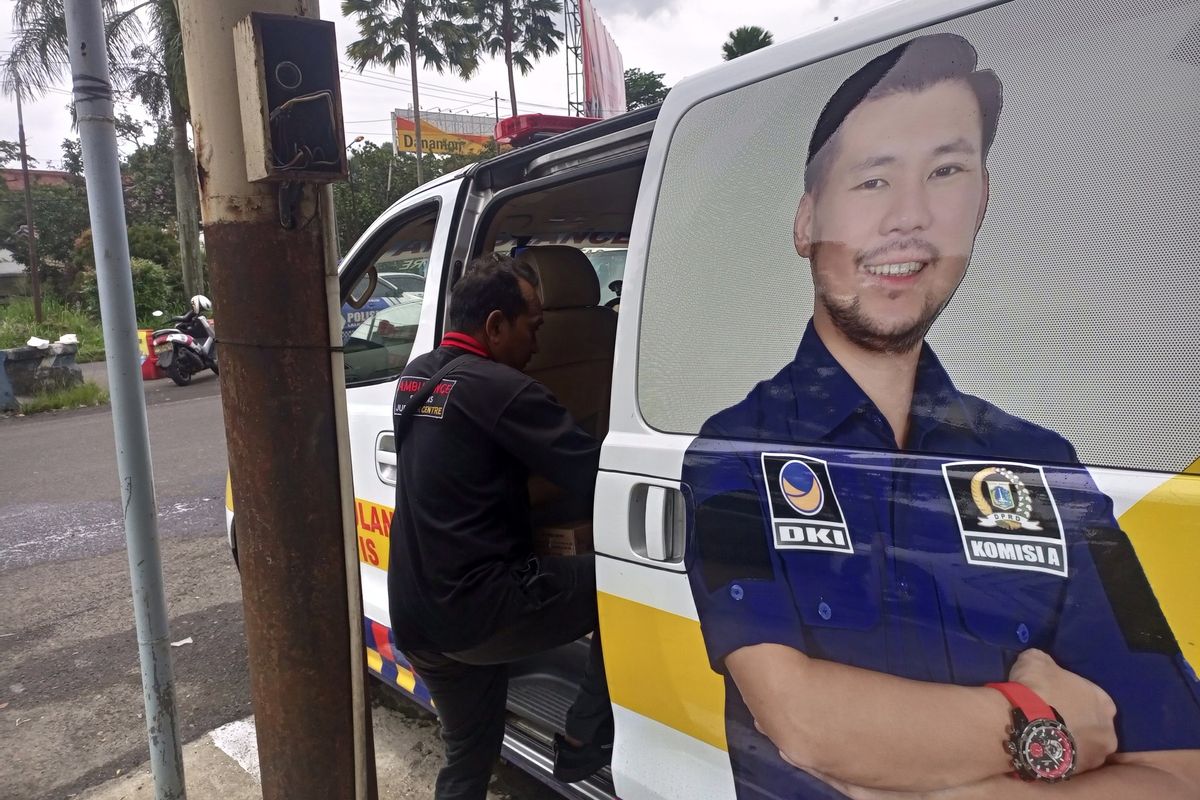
385 457
663 525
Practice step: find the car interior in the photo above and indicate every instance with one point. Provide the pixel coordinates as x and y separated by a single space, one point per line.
571 233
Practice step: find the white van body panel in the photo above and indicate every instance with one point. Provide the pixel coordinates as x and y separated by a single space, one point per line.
653 760
369 407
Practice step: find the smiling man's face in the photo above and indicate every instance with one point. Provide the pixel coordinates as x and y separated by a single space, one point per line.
890 228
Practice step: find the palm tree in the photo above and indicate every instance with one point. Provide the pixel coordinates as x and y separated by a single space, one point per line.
157 77
152 73
523 30
38 51
395 32
746 39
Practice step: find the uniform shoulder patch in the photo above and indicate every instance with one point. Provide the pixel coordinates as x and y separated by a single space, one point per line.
805 513
1007 516
434 407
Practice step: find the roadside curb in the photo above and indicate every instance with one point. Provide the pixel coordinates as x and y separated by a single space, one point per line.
210 774
223 764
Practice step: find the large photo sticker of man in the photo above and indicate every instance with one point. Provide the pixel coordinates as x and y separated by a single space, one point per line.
957 577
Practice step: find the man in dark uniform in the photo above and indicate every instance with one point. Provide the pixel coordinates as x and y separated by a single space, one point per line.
885 567
467 595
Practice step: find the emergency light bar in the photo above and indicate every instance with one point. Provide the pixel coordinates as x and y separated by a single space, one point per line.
525 129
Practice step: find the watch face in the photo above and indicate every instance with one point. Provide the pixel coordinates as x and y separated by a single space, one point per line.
1047 750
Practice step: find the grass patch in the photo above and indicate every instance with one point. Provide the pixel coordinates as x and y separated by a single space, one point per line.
85 395
17 325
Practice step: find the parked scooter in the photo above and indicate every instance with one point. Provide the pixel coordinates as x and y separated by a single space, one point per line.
189 347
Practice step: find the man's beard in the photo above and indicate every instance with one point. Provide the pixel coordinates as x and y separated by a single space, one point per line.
849 318
855 326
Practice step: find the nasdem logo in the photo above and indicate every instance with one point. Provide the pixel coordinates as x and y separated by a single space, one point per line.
801 488
805 512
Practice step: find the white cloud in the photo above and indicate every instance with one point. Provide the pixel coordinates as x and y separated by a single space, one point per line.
638 8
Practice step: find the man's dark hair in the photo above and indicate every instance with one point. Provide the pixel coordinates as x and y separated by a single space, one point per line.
491 282
913 66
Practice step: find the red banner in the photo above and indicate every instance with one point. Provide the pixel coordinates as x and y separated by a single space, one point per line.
603 69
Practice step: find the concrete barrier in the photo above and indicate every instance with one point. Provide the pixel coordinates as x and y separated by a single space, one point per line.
8 400
33 370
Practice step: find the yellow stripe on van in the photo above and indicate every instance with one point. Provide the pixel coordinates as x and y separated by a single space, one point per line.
657 666
374 523
374 660
405 679
1164 528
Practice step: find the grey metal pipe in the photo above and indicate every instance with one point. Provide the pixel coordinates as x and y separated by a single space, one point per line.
93 92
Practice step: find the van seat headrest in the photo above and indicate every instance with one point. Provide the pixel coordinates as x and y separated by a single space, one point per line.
565 275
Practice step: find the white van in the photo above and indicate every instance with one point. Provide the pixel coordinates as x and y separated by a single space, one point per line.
811 529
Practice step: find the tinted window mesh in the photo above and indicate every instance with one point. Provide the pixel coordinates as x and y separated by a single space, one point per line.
1080 310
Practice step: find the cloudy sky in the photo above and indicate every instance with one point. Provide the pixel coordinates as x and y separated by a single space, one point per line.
675 37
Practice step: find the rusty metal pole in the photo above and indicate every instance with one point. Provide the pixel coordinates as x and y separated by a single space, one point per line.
283 399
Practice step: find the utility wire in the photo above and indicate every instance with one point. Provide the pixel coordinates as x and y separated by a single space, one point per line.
390 83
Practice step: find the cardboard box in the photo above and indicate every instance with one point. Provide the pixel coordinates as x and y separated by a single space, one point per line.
566 539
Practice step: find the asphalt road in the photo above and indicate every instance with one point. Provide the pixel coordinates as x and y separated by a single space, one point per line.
70 687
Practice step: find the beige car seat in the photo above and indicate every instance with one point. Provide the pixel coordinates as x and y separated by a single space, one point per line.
578 336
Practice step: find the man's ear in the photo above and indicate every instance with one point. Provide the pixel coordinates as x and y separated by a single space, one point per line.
493 326
802 227
983 201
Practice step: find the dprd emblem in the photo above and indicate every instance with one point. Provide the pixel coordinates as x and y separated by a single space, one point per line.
805 514
1007 516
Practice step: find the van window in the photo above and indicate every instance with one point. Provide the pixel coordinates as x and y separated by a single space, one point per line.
606 250
1078 308
378 330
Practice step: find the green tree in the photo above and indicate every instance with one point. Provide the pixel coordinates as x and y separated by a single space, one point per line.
433 32
643 88
149 185
154 244
368 193
10 152
522 30
72 157
157 77
60 214
152 291
746 39
38 49
152 72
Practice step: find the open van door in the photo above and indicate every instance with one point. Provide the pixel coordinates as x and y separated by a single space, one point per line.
391 287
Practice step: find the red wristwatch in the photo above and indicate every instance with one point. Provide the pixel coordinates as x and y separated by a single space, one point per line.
1039 743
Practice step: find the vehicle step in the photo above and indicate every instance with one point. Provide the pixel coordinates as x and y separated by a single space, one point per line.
542 699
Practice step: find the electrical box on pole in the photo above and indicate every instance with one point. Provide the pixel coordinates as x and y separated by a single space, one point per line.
291 101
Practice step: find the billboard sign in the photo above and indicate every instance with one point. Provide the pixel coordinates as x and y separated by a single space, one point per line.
603 69
443 134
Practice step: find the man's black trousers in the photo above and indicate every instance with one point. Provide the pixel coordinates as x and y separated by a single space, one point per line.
470 687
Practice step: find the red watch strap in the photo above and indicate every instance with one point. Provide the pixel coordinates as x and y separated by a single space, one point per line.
1024 698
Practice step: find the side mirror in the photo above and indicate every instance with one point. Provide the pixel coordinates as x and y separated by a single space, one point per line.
372 278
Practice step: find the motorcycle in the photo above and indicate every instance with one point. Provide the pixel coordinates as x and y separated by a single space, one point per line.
189 347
